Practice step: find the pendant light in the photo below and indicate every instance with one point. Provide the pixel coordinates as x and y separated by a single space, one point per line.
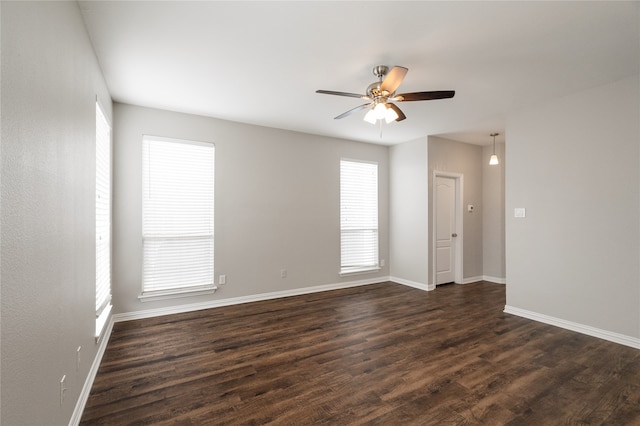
493 161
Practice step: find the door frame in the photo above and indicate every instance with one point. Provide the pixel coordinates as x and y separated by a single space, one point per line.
458 242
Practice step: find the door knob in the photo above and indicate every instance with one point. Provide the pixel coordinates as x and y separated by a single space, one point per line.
454 235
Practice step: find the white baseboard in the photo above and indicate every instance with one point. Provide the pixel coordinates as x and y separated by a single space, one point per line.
573 326
149 313
488 278
93 371
470 280
414 284
495 280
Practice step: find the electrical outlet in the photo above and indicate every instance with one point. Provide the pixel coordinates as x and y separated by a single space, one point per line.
63 388
382 262
222 280
283 273
78 358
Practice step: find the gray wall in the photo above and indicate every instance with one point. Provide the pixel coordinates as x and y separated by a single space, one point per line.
456 157
493 253
50 79
574 164
277 205
409 216
412 165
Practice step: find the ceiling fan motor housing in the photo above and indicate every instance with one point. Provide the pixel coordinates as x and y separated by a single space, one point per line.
373 91
380 71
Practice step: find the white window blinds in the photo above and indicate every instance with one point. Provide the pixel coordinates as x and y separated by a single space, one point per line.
358 216
177 210
103 219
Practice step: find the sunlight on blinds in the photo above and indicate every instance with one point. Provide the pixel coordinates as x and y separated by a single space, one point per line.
358 216
103 218
103 211
178 197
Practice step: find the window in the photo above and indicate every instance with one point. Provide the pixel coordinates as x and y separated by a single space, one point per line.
177 217
358 216
103 220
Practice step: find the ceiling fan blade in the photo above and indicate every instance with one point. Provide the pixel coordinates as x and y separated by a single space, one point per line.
424 96
351 95
351 111
394 107
393 79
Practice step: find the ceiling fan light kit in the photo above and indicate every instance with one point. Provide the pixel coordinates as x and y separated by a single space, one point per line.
382 95
379 112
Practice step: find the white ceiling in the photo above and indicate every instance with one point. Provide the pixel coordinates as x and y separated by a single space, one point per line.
261 62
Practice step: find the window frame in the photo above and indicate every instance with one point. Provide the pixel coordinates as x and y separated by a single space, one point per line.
374 264
103 256
177 291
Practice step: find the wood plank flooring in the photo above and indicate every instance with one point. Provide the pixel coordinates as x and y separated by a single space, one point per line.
383 354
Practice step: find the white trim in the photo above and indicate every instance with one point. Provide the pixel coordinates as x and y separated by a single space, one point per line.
359 216
459 225
104 112
152 296
470 280
161 226
149 313
495 280
573 326
93 371
368 270
180 140
101 322
414 284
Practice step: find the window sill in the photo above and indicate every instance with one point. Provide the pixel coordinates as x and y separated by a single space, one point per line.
101 322
151 296
354 271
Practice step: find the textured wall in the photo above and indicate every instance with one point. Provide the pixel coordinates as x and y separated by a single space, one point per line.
50 79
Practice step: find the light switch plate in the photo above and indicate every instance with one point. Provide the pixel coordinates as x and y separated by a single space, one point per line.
519 212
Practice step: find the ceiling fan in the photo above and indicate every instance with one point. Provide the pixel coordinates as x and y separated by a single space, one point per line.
382 93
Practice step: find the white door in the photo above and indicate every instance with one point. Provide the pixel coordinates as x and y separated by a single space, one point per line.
445 233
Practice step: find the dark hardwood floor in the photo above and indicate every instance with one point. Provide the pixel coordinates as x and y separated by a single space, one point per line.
379 354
